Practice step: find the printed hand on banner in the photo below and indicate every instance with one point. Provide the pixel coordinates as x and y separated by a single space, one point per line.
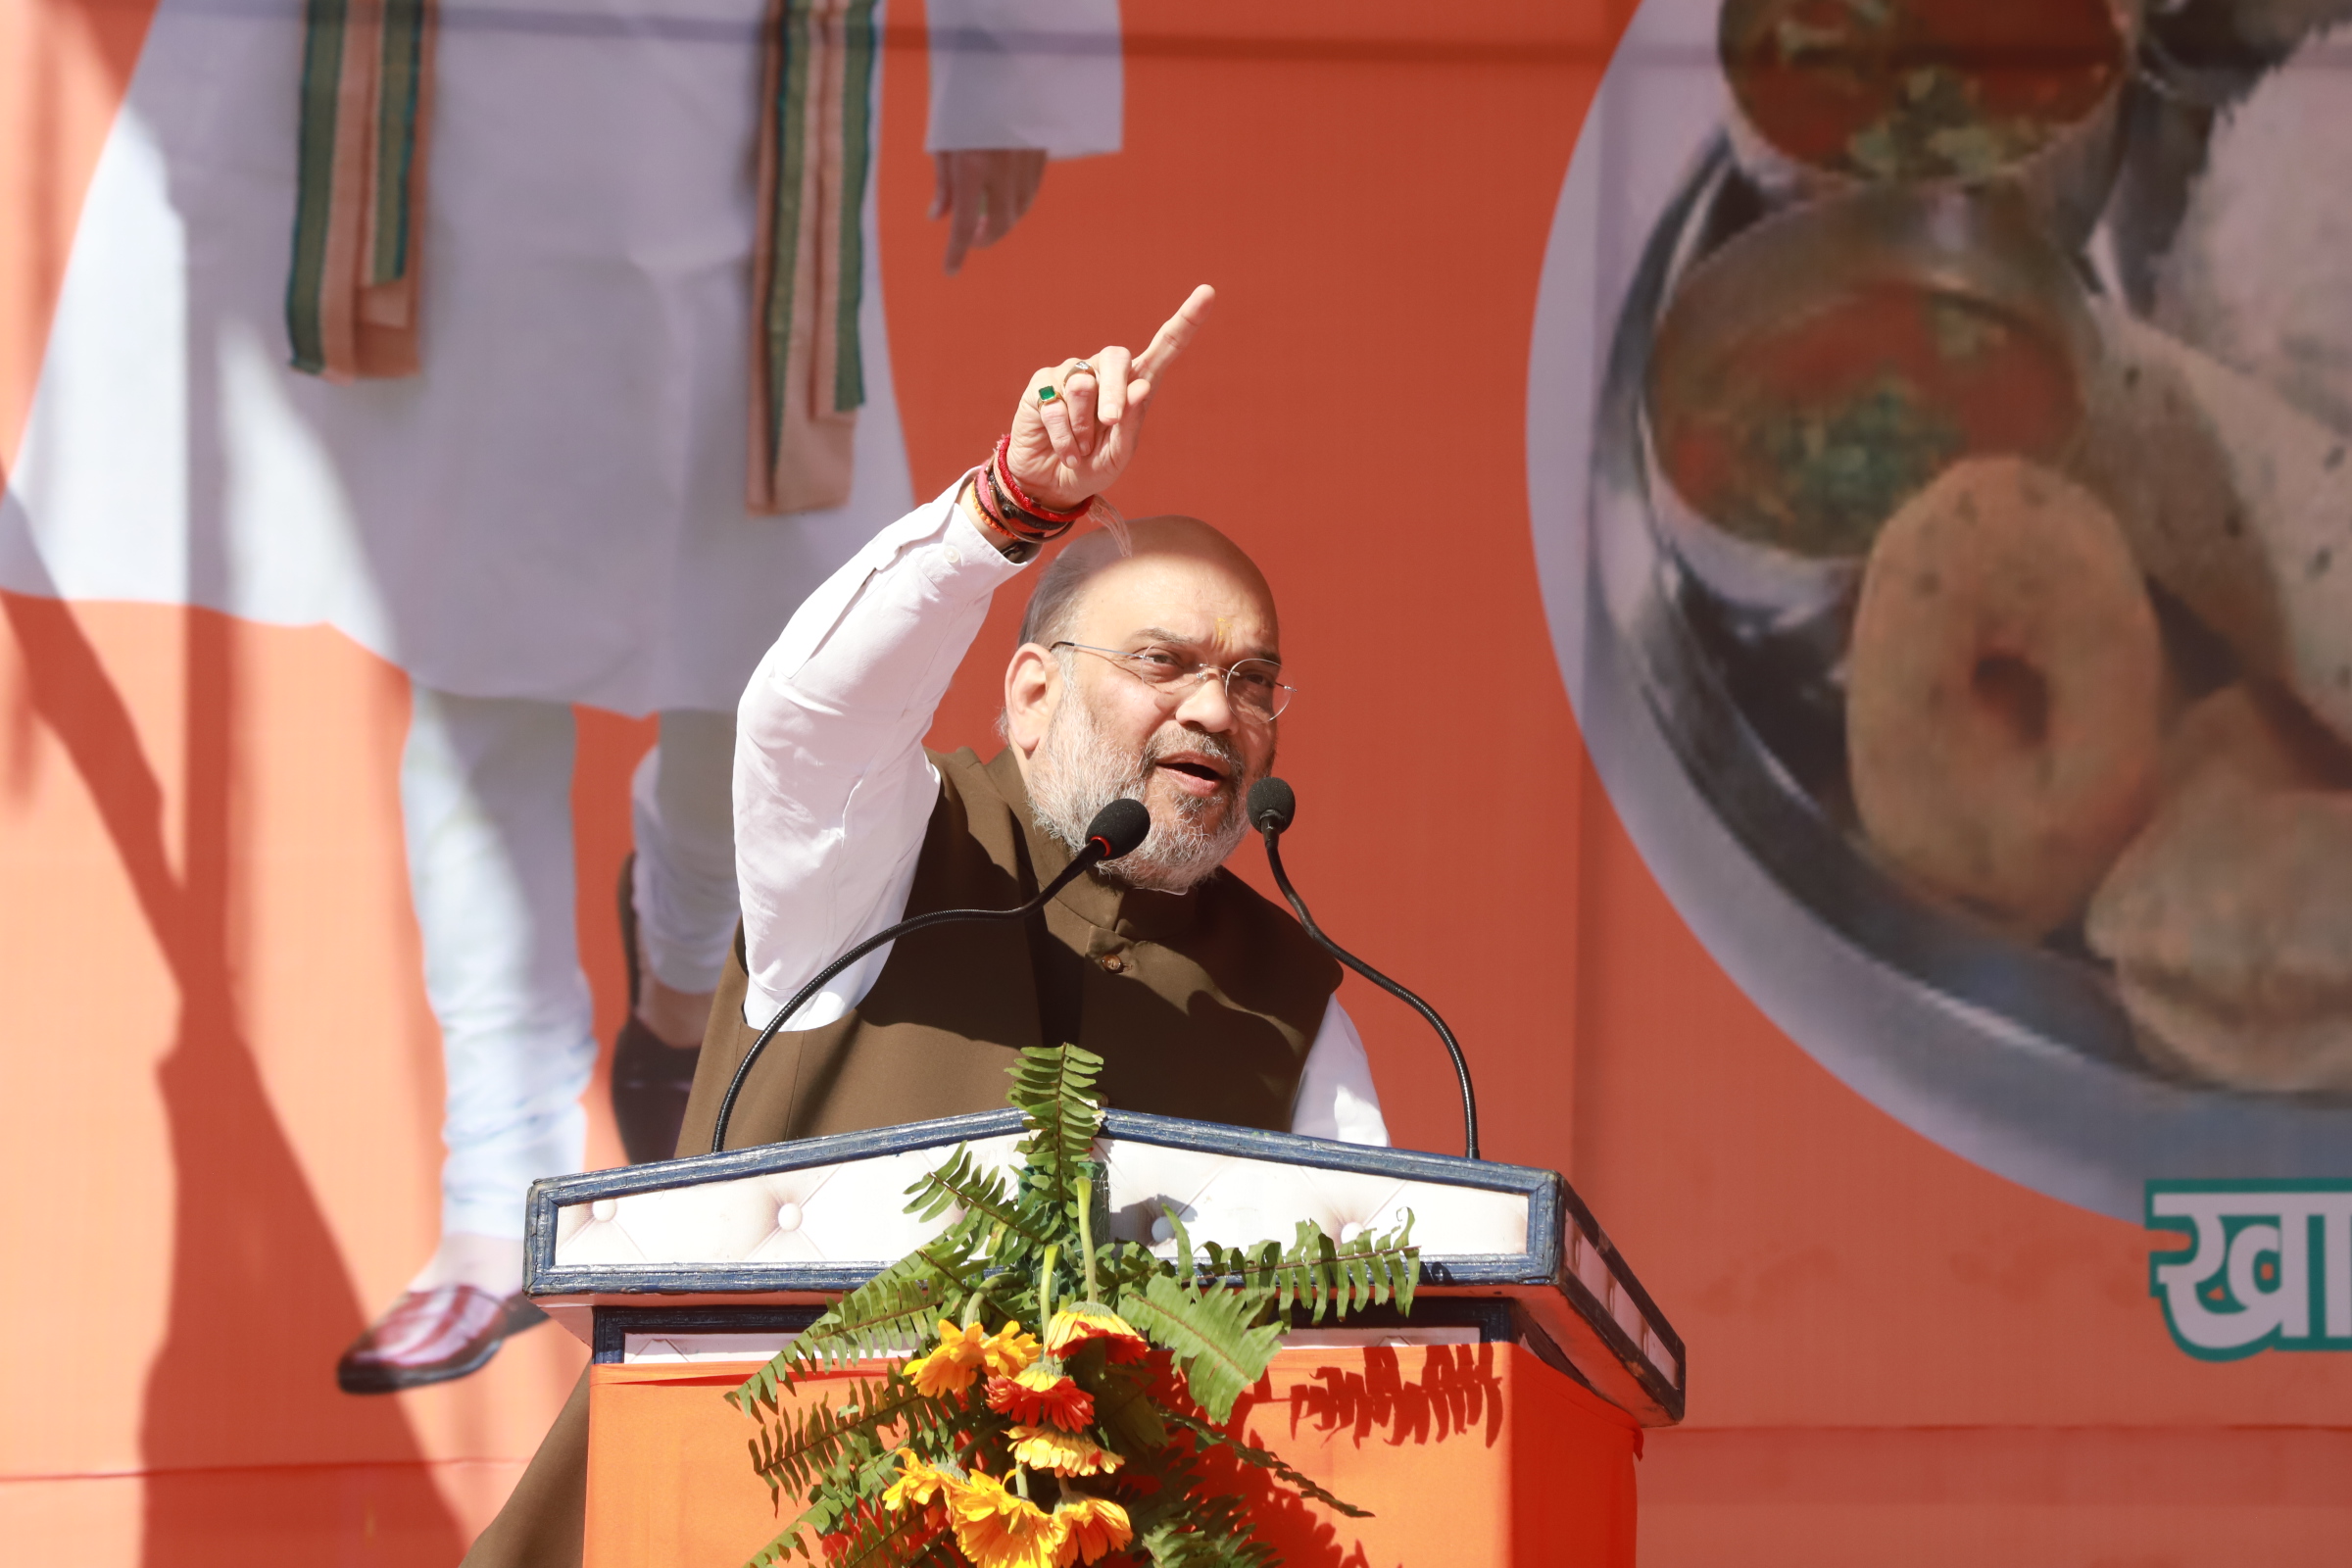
982 192
1077 443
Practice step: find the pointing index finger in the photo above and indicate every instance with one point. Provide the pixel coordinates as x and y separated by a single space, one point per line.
1171 339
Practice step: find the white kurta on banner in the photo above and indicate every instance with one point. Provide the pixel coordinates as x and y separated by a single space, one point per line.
554 508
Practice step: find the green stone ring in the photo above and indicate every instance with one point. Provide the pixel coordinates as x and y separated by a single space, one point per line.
1045 394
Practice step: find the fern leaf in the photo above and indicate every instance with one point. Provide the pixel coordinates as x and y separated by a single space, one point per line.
882 1306
881 1318
1212 1335
1125 1410
1055 1088
789 1544
794 1447
1184 1244
1331 1277
1190 1520
959 1179
1206 1536
1202 1432
1187 1522
981 1192
886 1316
868 1538
1313 1268
893 1541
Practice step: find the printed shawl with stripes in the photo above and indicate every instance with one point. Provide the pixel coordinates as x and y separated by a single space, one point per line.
352 296
367 88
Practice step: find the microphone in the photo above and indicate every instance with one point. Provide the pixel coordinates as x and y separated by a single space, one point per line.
1270 806
1117 829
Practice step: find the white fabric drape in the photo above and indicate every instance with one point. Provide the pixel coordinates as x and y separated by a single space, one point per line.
551 510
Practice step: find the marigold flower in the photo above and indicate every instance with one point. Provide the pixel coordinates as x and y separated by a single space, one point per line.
952 1367
1008 1352
1038 1396
997 1529
1063 1452
1074 1326
919 1483
1091 1528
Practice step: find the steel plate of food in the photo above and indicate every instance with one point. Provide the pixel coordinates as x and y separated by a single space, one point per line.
1940 525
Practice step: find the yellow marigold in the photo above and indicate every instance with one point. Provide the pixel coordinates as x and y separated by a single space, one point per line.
952 1367
1008 1352
1073 1326
1091 1528
998 1529
1063 1452
918 1485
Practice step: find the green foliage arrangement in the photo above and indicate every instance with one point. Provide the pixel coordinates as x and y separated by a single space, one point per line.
1083 1444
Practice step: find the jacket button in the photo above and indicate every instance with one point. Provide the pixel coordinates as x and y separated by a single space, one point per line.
1113 963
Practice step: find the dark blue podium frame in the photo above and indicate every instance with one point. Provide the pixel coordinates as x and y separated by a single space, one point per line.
1556 1311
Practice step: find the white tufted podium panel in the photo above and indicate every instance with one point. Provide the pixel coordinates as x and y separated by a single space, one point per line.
672 1254
849 1211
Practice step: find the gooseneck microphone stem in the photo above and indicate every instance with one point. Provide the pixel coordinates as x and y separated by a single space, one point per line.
1087 856
1461 1065
1115 830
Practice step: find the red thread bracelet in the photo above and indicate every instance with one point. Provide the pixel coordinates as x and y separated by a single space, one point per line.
1022 499
984 495
989 523
1003 514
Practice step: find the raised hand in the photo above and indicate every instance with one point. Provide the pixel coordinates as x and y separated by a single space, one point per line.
1076 442
983 192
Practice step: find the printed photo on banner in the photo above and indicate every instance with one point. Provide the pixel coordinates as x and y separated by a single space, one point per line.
1937 427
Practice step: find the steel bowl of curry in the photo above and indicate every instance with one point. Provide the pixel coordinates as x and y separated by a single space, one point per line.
1822 366
1831 94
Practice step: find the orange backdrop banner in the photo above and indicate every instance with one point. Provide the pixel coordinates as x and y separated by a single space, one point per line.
1466 1454
1886 1154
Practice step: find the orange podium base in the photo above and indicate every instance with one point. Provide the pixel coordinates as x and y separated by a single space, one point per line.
1469 1455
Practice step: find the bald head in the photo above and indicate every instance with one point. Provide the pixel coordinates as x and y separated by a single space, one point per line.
1056 605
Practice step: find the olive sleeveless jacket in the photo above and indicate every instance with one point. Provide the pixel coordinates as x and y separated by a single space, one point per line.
1201 1005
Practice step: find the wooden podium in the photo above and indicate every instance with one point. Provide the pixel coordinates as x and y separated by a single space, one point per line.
1500 1425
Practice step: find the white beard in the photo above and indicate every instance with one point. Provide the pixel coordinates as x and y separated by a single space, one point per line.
1077 771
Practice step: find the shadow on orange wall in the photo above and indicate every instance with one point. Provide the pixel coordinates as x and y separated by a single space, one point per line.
1306 1535
1359 1399
261 1303
1459 1393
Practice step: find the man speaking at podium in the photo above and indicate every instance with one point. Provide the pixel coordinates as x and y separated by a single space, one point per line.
1155 674
1149 667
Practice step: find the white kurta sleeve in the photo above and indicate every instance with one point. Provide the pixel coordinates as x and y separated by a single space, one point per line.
1026 73
1336 1096
832 789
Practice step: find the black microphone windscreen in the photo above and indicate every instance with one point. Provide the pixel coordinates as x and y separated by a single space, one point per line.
1122 826
1271 806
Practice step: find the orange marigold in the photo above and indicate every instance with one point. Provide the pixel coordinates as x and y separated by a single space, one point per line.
1036 1396
998 1529
952 1367
1064 1453
1008 1352
919 1483
1076 1325
1091 1528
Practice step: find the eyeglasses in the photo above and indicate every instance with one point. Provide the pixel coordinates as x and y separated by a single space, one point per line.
1251 687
